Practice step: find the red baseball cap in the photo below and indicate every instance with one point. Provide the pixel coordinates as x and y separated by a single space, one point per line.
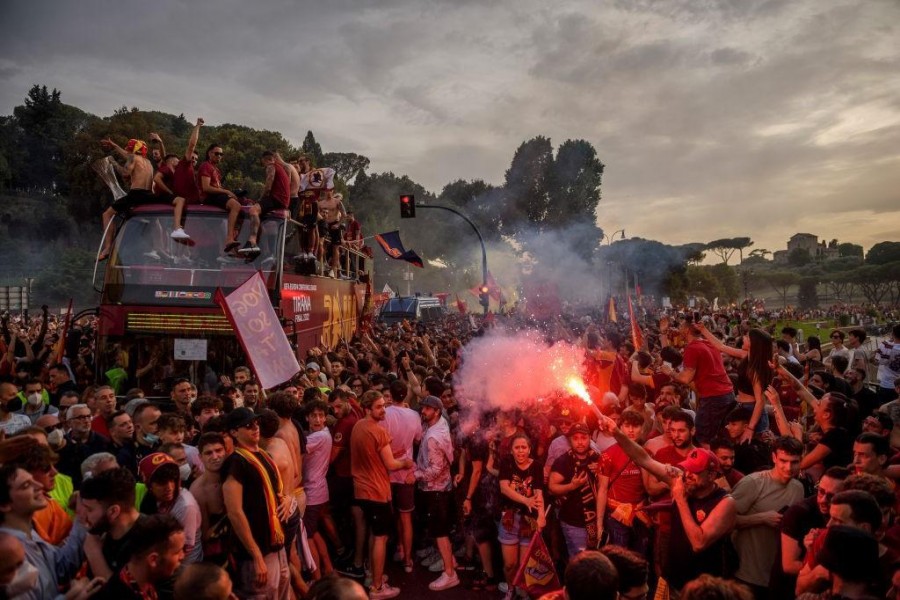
699 460
152 463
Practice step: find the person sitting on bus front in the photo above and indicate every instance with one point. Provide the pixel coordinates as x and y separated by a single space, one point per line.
175 181
139 171
212 193
276 196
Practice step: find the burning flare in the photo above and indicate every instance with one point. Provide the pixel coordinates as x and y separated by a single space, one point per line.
574 385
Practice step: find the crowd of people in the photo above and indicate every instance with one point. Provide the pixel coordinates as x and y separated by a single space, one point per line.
293 187
720 459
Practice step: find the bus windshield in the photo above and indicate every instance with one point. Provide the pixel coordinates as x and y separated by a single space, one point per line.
148 267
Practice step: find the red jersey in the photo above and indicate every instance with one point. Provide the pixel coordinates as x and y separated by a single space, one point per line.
710 377
207 169
281 186
168 179
341 439
185 182
626 484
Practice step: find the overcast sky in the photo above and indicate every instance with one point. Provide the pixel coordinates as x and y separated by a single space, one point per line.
714 118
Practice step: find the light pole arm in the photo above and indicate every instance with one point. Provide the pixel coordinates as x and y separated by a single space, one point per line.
484 269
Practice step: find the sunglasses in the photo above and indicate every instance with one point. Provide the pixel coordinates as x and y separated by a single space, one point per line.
218 153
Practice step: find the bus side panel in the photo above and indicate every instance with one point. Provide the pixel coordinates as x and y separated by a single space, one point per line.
320 311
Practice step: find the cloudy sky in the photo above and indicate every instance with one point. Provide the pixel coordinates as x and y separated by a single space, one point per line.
714 118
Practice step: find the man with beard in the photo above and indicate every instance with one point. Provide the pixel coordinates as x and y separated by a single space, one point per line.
162 475
760 499
207 491
256 507
110 516
371 460
702 514
724 451
622 492
436 486
156 553
801 518
575 483
212 193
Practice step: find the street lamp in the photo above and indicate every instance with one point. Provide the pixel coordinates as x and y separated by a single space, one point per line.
609 240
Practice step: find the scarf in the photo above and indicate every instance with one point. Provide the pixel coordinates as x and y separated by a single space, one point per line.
276 533
147 592
588 493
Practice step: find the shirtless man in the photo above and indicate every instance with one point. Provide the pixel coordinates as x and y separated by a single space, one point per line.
207 491
283 457
139 171
175 180
284 405
332 210
294 175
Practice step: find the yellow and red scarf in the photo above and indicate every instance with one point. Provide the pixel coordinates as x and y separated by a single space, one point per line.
272 491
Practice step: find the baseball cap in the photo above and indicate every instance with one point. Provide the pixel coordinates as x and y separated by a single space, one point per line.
699 460
152 463
432 402
579 428
239 417
313 365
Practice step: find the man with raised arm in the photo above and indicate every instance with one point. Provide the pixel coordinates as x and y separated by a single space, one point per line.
176 181
213 194
139 172
702 512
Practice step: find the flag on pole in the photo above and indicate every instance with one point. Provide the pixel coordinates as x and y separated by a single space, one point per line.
537 575
460 305
637 337
393 247
61 343
612 310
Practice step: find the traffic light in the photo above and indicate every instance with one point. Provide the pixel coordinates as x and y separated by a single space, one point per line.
484 296
407 206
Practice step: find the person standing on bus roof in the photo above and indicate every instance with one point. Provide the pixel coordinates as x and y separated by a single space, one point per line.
212 193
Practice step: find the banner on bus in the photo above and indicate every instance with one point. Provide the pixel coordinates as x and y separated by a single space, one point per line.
250 312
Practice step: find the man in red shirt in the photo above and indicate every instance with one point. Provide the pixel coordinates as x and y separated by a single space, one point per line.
213 194
704 368
276 196
175 181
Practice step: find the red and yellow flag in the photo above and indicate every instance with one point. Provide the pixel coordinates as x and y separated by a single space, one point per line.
612 310
537 575
637 336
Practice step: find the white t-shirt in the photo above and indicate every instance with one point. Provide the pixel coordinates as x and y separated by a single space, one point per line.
187 511
405 427
315 466
888 355
16 422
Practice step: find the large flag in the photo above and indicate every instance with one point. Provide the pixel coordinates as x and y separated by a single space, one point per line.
537 575
612 310
460 305
637 337
250 312
393 247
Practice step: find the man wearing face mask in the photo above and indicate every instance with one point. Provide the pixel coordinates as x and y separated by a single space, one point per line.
10 421
167 496
110 516
81 442
36 402
146 429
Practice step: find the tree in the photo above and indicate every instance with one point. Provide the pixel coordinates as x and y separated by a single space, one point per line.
874 281
883 253
694 252
527 187
799 257
312 148
347 165
847 249
726 247
807 294
781 282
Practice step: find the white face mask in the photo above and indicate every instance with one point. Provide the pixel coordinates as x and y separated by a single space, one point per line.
35 399
185 471
55 438
25 580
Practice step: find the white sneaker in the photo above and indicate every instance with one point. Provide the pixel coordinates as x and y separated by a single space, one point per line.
385 591
444 582
503 587
179 234
152 254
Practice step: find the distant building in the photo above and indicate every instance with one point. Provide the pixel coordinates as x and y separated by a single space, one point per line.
809 242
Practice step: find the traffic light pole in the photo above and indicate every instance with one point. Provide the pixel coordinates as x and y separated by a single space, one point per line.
484 269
